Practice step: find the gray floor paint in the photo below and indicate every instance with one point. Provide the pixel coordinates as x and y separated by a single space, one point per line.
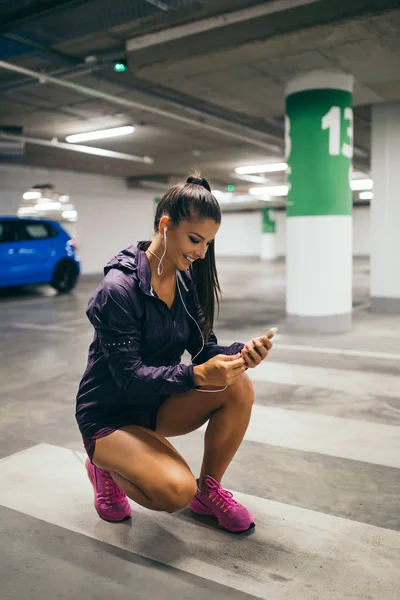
319 465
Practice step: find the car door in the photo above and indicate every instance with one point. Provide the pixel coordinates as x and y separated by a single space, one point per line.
8 253
35 251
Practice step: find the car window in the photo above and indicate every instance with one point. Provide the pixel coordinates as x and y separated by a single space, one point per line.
35 231
7 232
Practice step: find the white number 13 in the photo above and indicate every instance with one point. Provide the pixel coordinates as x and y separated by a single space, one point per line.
331 121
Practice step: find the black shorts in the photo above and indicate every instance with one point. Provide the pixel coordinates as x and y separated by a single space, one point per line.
148 420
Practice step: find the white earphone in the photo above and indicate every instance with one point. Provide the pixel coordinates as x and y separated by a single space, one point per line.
179 280
160 267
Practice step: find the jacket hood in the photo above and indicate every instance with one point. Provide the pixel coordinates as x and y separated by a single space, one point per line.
124 260
134 260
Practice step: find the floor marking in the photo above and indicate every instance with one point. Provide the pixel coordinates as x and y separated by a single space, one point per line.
293 554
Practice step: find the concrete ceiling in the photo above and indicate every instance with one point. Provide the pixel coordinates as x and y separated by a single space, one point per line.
218 90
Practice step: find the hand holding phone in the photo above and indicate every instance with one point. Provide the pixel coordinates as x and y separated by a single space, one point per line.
256 350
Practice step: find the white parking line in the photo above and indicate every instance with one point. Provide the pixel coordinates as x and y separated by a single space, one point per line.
61 327
353 383
365 441
338 351
294 552
34 327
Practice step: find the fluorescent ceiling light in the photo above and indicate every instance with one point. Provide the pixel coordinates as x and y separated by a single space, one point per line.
48 206
366 195
265 168
99 135
69 214
272 190
252 178
361 184
27 210
31 195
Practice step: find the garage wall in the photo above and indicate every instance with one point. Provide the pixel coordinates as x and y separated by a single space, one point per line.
239 234
110 217
361 231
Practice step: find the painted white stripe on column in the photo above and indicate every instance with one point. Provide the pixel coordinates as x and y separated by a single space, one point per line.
289 556
320 79
319 265
268 246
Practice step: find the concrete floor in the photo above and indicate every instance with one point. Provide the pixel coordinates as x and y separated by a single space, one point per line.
319 466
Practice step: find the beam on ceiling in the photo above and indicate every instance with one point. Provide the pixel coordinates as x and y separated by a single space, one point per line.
36 11
138 85
210 23
158 4
76 148
44 52
113 99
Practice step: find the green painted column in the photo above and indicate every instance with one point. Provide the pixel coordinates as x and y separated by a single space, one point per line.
319 151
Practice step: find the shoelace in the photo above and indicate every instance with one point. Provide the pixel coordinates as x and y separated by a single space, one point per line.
225 498
112 492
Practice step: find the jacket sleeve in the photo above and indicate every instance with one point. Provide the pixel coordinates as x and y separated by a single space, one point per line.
211 347
113 317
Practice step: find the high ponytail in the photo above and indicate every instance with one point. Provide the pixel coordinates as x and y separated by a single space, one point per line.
187 201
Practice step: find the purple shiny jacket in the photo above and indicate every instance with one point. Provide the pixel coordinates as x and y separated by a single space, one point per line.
134 361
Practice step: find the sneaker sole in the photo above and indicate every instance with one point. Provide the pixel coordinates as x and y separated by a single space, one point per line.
210 514
101 517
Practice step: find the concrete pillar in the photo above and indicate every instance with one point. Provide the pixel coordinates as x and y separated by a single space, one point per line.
319 151
385 209
268 235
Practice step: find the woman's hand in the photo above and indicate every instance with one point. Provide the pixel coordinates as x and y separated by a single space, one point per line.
221 370
256 350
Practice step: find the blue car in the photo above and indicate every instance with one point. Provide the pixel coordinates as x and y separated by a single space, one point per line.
37 251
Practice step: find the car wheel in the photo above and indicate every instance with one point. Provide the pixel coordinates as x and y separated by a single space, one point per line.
65 277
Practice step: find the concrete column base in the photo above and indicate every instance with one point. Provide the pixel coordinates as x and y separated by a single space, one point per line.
327 324
385 305
268 246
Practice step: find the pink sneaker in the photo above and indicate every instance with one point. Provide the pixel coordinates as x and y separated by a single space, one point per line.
219 503
109 500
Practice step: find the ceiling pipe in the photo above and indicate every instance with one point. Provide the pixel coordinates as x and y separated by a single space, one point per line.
112 99
77 148
210 23
91 66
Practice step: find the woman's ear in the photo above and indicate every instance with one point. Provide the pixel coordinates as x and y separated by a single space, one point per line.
163 225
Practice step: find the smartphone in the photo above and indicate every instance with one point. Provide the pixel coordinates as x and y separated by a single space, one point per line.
271 332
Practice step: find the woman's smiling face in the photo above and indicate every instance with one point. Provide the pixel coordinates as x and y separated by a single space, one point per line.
189 241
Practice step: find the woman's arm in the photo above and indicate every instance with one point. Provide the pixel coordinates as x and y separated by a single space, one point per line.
117 327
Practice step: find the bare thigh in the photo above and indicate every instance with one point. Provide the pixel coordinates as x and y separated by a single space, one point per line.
183 413
146 460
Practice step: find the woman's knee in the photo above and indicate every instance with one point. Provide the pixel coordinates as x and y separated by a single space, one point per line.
174 494
243 391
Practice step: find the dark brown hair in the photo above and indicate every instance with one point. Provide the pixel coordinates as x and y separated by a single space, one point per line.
194 200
